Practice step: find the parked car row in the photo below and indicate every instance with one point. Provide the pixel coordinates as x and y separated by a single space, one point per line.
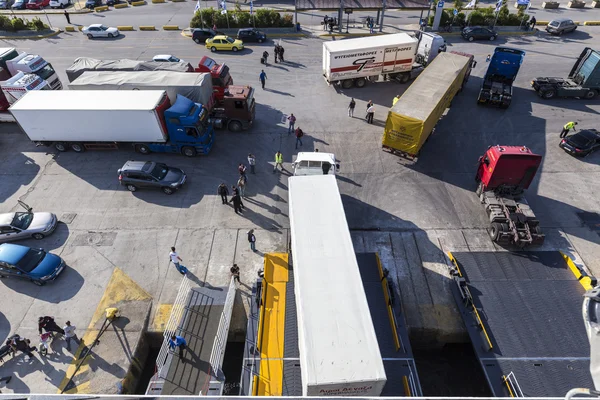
215 40
33 4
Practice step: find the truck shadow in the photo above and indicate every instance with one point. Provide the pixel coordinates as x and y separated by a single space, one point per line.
18 170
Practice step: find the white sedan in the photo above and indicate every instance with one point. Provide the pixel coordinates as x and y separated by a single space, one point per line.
99 30
167 58
23 225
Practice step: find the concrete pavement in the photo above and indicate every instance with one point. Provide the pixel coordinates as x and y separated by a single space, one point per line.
411 213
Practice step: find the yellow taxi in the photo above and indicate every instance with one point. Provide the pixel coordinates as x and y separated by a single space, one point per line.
222 42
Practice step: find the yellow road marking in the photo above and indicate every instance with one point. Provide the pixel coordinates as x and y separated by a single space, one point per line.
163 313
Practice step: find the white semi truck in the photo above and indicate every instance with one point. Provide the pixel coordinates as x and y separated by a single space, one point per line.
353 62
315 163
13 61
339 351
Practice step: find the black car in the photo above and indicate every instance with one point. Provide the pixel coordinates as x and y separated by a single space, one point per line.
581 143
478 33
251 35
91 4
200 35
148 174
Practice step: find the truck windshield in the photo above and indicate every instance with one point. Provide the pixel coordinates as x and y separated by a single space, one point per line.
46 72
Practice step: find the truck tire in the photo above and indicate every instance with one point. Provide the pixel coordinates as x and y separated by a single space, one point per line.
495 230
360 82
347 84
591 94
234 126
60 146
404 77
142 149
77 147
548 94
188 151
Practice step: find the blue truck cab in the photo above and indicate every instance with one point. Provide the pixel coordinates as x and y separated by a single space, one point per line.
496 88
188 128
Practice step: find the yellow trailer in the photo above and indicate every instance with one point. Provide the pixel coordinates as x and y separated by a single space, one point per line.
412 119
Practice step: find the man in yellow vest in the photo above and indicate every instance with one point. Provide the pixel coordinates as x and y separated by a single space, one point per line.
568 126
395 100
278 161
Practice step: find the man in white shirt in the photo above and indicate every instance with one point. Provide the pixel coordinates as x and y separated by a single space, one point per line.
70 334
175 259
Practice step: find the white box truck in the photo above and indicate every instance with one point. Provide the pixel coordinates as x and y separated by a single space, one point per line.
339 351
315 163
102 119
351 62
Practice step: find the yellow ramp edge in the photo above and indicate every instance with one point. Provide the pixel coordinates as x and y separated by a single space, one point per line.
272 325
588 282
120 288
163 313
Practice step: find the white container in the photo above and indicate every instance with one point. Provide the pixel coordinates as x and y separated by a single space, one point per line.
368 56
339 352
91 116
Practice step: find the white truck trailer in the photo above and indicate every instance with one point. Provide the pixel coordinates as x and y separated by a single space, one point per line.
339 352
351 62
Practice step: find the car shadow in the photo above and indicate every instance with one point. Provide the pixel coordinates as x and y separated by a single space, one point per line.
4 328
120 37
63 288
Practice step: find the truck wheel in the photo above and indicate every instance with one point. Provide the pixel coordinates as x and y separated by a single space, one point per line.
168 190
142 149
591 94
405 77
360 82
495 231
188 151
61 146
77 147
234 126
347 84
131 188
548 94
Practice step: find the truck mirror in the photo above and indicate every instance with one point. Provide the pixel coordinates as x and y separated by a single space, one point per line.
337 166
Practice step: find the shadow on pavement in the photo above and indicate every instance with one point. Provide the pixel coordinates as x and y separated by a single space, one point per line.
65 287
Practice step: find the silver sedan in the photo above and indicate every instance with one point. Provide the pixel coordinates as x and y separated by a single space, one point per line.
99 30
24 225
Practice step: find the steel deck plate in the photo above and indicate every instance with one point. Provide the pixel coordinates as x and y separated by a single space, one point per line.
530 305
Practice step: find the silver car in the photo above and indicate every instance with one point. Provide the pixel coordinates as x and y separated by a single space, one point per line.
99 30
24 225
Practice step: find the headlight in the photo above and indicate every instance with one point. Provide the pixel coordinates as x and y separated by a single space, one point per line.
174 184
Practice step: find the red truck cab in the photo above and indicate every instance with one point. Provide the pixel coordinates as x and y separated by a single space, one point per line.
507 168
221 79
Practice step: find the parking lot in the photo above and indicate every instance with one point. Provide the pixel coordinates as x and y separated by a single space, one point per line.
410 212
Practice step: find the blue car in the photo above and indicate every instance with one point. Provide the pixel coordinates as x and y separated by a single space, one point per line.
23 262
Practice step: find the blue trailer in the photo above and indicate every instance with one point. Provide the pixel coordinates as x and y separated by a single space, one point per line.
82 120
583 80
496 88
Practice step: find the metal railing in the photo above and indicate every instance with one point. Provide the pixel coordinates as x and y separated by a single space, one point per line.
513 385
164 355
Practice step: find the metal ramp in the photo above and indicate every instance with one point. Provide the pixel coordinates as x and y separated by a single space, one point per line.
522 311
202 316
390 327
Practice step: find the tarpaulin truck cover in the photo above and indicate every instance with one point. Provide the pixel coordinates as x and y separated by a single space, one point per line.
412 119
196 87
82 64
339 352
373 55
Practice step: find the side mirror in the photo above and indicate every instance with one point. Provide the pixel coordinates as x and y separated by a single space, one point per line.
337 166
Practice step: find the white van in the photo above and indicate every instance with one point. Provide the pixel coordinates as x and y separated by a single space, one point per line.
315 163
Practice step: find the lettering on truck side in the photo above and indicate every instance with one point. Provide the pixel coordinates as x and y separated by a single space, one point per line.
346 391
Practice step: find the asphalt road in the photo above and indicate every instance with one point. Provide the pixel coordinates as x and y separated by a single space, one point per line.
390 204
181 13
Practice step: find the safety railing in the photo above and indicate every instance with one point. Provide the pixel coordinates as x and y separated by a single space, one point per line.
514 389
173 324
218 350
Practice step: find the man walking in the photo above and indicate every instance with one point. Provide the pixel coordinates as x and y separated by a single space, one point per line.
242 170
278 161
299 135
178 341
237 203
566 128
252 240
370 114
242 185
533 22
266 57
351 108
292 120
251 162
49 325
70 334
67 17
263 78
223 192
175 259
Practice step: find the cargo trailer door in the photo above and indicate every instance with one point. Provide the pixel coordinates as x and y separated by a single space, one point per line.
389 59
